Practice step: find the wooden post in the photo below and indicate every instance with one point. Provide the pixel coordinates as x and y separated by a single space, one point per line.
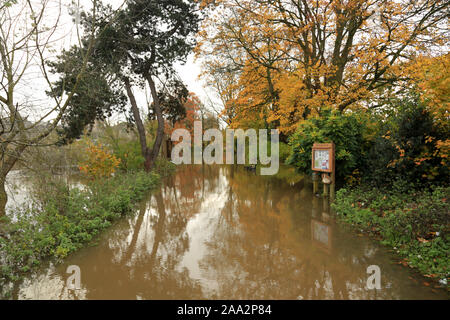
332 187
325 205
333 176
315 178
325 190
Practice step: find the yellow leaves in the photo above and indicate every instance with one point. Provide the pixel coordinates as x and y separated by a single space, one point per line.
443 151
99 163
419 161
431 75
400 151
245 40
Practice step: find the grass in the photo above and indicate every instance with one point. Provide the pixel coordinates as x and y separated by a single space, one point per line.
415 224
66 219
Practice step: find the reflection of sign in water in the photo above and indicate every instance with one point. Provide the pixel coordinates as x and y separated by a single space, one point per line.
321 233
322 159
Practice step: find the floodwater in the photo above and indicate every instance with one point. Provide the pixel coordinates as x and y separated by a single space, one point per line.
221 232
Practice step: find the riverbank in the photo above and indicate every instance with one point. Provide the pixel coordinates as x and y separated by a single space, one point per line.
415 224
67 219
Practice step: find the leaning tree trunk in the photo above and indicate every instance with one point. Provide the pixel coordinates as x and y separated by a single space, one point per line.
140 127
149 155
160 131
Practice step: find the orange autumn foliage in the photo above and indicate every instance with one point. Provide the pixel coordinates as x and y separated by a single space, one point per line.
99 162
192 107
276 63
432 76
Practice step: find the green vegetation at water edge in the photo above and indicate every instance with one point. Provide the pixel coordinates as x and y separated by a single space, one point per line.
67 219
415 224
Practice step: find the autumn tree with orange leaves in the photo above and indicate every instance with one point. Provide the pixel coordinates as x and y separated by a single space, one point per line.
432 78
276 62
99 162
192 107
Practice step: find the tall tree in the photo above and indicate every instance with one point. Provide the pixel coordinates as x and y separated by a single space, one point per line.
172 101
142 46
335 53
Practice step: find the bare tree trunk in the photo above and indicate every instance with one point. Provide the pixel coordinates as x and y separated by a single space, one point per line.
160 131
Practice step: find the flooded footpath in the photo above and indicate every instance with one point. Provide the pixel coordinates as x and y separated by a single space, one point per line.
223 232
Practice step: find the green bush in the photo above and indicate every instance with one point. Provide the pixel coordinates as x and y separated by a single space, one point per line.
164 167
130 155
350 132
406 147
415 223
284 152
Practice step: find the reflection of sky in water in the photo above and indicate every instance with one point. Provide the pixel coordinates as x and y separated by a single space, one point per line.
18 188
50 286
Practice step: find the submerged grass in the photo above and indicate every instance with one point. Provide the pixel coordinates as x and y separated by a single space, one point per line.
415 224
67 219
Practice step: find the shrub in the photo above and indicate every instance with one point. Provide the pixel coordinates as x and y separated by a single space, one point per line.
411 146
129 153
100 162
164 167
351 133
284 151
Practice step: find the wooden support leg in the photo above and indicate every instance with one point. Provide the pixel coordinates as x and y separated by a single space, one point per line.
325 190
315 178
332 186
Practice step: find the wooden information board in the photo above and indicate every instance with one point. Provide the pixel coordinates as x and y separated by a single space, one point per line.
323 157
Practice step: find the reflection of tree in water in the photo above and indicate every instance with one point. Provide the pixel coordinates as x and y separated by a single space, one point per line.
229 209
153 265
269 253
190 185
140 257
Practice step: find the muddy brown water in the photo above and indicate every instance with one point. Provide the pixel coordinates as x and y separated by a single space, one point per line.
215 232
